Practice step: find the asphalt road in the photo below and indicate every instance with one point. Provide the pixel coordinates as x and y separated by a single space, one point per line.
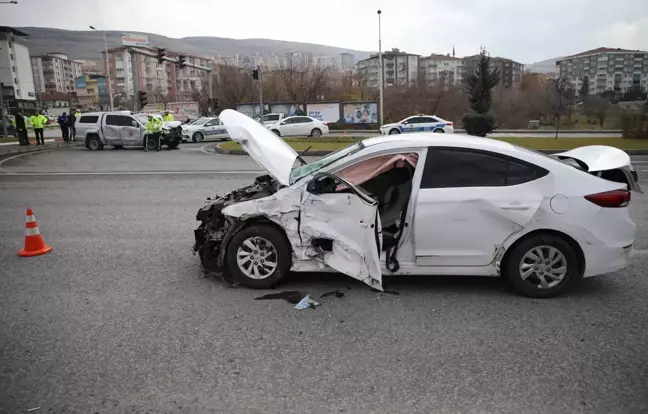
118 318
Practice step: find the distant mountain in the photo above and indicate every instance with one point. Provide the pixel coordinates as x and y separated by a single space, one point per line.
87 45
544 66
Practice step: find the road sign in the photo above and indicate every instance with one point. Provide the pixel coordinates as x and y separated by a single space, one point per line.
134 40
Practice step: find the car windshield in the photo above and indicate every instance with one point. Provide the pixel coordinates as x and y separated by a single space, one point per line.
200 121
142 118
298 173
271 118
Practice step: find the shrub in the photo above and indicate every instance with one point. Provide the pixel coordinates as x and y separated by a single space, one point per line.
478 124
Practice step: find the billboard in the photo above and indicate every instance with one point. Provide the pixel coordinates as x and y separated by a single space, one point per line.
134 40
253 110
326 112
151 108
360 113
182 111
288 109
80 82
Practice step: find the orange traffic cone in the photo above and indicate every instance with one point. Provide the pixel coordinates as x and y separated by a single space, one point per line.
34 244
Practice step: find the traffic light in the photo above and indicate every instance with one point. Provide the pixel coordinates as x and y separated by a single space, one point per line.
161 54
181 61
216 104
255 74
142 99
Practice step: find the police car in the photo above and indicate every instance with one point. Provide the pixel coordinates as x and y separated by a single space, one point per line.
208 127
418 123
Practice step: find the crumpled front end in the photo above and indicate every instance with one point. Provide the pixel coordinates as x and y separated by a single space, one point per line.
215 228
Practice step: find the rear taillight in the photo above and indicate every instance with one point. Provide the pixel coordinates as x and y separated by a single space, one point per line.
614 198
449 124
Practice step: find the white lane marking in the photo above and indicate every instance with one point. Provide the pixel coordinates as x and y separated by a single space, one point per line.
37 174
20 155
203 149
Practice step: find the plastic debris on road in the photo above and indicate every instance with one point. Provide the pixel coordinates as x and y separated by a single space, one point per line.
306 303
292 296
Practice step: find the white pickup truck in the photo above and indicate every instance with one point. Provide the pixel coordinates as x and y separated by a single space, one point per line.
272 118
122 129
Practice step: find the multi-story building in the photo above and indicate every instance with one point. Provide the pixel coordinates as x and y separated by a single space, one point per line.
510 70
16 71
399 69
347 62
91 91
161 82
442 70
54 72
606 69
324 62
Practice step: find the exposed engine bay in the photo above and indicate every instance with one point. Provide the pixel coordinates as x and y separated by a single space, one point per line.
215 228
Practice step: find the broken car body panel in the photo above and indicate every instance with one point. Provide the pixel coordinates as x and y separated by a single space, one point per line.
267 149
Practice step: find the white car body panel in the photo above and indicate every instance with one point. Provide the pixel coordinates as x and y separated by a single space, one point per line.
268 150
412 124
288 129
454 231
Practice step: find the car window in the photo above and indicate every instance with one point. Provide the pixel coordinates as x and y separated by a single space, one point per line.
429 119
200 121
126 121
302 120
212 122
271 118
89 119
459 167
113 120
289 121
414 120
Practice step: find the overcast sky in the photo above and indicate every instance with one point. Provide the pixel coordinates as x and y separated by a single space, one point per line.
523 30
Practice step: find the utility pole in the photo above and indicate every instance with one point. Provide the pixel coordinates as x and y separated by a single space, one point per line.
260 92
380 69
2 112
136 85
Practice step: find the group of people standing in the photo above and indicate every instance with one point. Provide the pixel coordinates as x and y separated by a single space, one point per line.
38 122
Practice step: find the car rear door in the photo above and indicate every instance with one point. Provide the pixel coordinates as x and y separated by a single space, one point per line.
112 129
470 201
305 125
429 123
342 227
288 127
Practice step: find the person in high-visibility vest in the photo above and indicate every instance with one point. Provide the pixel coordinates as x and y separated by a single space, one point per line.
38 121
167 117
153 130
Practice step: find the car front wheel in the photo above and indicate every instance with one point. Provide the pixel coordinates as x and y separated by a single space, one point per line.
259 256
197 137
542 266
276 132
394 132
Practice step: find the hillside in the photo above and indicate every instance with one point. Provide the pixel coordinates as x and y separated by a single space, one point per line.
82 45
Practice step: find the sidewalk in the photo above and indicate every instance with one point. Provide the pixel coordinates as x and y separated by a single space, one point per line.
50 143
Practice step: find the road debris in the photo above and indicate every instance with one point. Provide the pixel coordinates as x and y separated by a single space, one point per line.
337 294
292 296
33 409
306 303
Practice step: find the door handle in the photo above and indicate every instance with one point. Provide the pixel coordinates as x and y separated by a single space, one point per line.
515 207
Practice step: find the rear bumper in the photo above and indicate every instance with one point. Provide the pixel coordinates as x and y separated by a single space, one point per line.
607 260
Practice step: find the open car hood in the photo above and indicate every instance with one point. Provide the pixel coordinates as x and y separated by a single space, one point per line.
267 149
602 158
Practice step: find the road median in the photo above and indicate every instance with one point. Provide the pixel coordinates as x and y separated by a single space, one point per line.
547 145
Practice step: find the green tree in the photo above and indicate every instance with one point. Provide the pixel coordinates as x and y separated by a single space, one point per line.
596 107
480 95
584 90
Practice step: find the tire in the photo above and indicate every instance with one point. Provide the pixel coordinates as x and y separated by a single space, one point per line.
259 235
94 143
118 147
439 131
316 133
276 132
394 132
197 137
547 245
173 145
151 145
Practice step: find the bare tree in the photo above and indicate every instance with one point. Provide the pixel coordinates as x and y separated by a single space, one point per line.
304 83
597 107
233 86
557 98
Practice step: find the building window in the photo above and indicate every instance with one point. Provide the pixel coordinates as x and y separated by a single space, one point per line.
14 69
11 55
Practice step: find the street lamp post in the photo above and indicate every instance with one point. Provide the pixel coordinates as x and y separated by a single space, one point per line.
112 101
380 69
107 67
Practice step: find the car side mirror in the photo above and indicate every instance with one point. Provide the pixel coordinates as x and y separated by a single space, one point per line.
321 184
134 123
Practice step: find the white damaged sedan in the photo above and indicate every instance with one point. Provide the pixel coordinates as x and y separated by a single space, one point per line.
426 204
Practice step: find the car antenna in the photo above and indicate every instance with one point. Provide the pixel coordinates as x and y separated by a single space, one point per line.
299 156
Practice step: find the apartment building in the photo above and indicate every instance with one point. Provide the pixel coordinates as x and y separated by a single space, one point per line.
54 72
510 70
441 69
347 62
91 91
607 69
161 82
399 69
16 71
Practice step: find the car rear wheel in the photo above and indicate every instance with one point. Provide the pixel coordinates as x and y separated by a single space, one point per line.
394 132
439 131
94 143
542 266
316 133
258 256
198 137
276 132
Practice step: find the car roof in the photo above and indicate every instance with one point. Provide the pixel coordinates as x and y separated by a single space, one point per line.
426 139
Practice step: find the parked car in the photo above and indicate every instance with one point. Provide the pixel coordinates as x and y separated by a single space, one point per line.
296 126
208 127
422 204
119 129
273 118
418 123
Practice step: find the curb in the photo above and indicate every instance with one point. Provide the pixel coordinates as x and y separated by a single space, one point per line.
505 131
37 148
218 150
